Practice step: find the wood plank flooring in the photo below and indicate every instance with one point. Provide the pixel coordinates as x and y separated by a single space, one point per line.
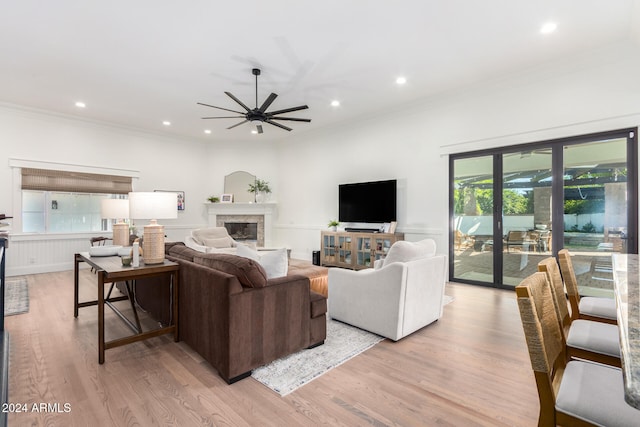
471 368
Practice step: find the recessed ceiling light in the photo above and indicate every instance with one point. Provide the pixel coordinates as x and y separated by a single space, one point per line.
166 123
401 80
548 28
80 104
207 131
335 103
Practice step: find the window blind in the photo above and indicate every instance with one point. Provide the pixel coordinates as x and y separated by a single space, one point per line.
78 182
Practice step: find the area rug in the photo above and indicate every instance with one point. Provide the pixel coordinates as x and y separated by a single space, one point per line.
16 296
343 342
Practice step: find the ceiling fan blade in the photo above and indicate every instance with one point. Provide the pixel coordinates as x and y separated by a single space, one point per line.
278 125
268 102
225 117
230 95
287 110
259 127
220 108
238 124
292 119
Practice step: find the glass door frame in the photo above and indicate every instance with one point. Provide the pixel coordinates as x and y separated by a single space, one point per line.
557 190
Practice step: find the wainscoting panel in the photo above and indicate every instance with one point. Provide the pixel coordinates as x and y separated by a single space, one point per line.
30 254
34 254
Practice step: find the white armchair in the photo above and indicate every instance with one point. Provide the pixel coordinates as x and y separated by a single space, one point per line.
402 294
213 239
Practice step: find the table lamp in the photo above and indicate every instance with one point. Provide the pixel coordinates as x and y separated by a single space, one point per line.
153 206
117 209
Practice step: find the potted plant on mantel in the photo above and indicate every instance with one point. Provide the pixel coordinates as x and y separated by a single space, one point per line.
213 199
260 188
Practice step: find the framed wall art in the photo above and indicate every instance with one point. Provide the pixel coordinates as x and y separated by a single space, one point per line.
180 199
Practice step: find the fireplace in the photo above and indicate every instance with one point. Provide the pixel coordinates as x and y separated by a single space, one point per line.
229 214
247 228
243 231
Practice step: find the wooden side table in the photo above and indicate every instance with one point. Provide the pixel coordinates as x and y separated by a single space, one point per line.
111 270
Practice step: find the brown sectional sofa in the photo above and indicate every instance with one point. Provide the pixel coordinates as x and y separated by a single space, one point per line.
232 315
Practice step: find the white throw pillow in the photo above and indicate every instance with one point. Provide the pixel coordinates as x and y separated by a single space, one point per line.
275 263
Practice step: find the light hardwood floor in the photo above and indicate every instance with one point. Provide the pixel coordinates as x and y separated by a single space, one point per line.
469 368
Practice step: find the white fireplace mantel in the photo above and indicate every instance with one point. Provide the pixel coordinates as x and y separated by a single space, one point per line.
268 210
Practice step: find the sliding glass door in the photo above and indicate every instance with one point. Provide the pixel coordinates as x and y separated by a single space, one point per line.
473 206
596 217
514 206
526 212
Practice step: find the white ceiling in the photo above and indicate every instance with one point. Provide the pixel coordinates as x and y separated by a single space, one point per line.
137 63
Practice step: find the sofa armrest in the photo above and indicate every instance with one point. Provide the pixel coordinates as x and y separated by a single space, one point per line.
267 323
191 243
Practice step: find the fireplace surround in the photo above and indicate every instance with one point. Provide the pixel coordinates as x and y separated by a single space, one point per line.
260 214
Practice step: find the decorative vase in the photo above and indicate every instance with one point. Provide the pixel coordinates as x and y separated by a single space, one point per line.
333 228
259 197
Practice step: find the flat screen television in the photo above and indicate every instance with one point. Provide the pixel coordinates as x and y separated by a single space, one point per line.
367 201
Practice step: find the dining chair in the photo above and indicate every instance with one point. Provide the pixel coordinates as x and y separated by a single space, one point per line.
571 393
585 339
589 308
98 241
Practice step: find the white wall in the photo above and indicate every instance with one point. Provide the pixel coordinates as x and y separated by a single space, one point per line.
573 96
594 92
161 162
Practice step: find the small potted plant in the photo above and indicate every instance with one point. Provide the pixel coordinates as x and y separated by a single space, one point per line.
213 199
260 188
333 225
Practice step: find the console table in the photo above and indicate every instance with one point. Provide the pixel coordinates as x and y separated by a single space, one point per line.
111 270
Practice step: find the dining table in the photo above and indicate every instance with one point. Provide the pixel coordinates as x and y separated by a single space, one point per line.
626 282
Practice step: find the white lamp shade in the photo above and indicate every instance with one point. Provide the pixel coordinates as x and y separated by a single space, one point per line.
115 208
153 205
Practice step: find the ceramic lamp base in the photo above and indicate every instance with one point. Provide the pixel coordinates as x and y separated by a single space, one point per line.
121 234
153 243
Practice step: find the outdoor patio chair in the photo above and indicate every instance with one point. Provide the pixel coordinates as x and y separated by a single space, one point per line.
518 238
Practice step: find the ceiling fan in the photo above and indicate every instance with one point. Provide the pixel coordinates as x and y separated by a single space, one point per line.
259 115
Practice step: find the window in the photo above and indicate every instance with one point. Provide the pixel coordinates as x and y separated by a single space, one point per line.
57 212
56 201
